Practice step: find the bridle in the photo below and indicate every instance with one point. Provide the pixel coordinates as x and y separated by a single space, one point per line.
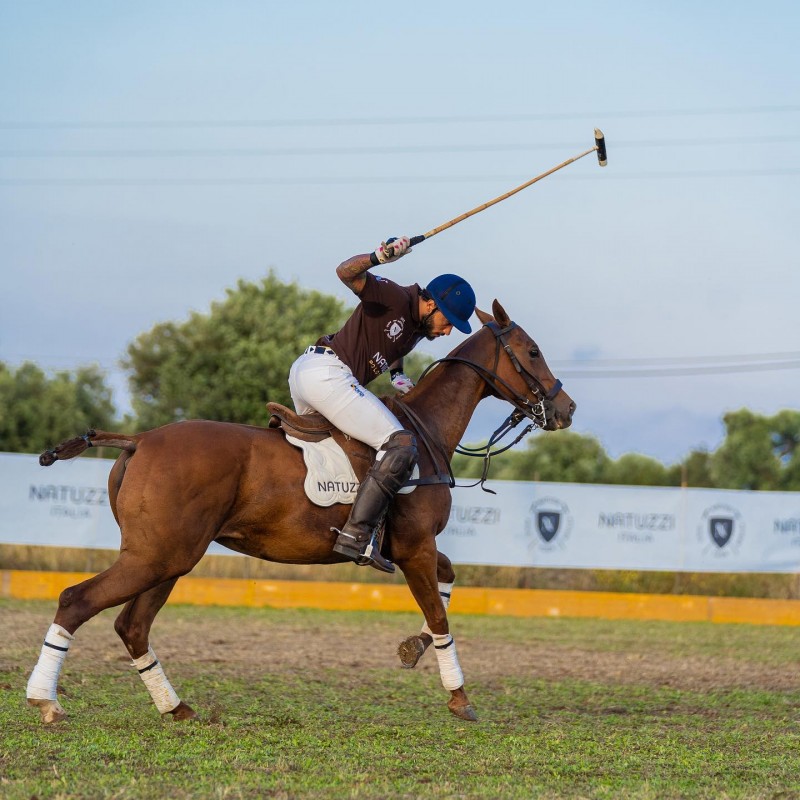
523 405
535 410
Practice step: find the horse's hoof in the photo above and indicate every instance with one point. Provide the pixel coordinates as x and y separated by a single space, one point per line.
463 712
182 712
410 651
50 710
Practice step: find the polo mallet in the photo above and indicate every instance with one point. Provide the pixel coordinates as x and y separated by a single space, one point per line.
599 146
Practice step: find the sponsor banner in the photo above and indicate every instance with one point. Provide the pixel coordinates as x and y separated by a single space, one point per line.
561 525
65 505
579 526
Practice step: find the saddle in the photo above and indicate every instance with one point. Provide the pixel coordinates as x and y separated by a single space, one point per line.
307 427
311 434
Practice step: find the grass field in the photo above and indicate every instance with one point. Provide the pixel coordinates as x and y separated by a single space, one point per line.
312 704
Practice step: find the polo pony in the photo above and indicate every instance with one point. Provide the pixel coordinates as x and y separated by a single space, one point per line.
176 489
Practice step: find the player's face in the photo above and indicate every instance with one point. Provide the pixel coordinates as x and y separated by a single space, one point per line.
437 325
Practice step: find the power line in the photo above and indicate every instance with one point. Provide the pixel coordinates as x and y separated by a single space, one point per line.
386 180
251 152
729 369
687 366
737 358
394 121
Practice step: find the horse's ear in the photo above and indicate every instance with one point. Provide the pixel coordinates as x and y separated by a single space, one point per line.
483 316
500 315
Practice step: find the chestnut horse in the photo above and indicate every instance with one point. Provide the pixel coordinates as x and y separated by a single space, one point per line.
176 489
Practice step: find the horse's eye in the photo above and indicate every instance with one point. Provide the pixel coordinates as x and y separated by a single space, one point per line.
533 352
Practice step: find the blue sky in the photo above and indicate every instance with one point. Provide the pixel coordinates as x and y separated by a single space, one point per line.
151 155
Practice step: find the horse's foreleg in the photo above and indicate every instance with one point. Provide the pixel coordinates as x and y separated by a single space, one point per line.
133 626
421 579
413 648
124 579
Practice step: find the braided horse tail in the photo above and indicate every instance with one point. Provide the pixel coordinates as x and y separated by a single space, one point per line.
74 447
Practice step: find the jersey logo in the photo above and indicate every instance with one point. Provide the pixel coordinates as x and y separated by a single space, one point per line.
378 363
394 328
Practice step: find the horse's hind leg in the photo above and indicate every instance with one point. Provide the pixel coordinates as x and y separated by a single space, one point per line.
133 626
414 647
128 577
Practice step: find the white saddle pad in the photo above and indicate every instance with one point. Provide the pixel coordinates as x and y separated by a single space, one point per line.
330 478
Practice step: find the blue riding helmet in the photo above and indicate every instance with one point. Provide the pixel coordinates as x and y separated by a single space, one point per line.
454 298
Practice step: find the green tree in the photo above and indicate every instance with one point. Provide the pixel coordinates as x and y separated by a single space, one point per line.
226 364
561 456
634 469
37 411
747 459
786 447
695 470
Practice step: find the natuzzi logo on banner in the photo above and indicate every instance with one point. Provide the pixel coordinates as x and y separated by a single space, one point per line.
788 527
548 524
636 527
64 500
464 520
720 531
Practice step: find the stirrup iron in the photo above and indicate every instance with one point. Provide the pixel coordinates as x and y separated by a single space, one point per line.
370 555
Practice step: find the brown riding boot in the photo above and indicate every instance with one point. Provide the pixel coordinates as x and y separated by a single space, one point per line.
358 538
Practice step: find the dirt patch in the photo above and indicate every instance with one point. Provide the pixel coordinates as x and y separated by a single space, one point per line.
251 645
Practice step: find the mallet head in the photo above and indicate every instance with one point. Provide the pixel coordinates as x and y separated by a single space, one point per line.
600 143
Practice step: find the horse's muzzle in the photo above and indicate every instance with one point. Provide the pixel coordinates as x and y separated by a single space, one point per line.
559 413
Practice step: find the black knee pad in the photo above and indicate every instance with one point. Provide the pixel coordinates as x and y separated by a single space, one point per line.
397 462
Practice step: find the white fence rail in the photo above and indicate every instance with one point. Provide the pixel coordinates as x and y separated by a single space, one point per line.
524 524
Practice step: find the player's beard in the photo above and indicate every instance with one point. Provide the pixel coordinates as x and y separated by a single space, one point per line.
427 327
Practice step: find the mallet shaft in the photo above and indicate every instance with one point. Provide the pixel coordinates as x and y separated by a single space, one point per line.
600 148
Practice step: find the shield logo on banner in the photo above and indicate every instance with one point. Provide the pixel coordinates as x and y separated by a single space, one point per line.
721 530
548 523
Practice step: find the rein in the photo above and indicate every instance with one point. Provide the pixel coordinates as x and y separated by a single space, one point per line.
523 409
426 437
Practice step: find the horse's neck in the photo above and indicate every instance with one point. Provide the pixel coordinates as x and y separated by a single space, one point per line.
446 401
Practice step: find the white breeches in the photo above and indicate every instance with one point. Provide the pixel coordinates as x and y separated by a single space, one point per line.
321 382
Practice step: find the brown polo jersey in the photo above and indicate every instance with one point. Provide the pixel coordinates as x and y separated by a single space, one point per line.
383 328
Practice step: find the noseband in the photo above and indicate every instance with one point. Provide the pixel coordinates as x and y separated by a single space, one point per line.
524 407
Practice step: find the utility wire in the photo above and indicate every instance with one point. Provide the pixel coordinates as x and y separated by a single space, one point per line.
737 358
387 180
254 152
688 366
730 369
402 120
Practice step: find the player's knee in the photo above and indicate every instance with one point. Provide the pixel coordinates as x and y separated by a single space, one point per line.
399 454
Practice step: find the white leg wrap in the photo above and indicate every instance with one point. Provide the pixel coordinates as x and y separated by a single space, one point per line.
449 668
164 696
44 678
445 590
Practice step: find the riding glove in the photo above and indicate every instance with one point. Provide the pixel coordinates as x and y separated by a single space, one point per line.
392 249
401 382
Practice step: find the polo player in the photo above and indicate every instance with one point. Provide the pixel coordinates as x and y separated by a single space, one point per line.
330 377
